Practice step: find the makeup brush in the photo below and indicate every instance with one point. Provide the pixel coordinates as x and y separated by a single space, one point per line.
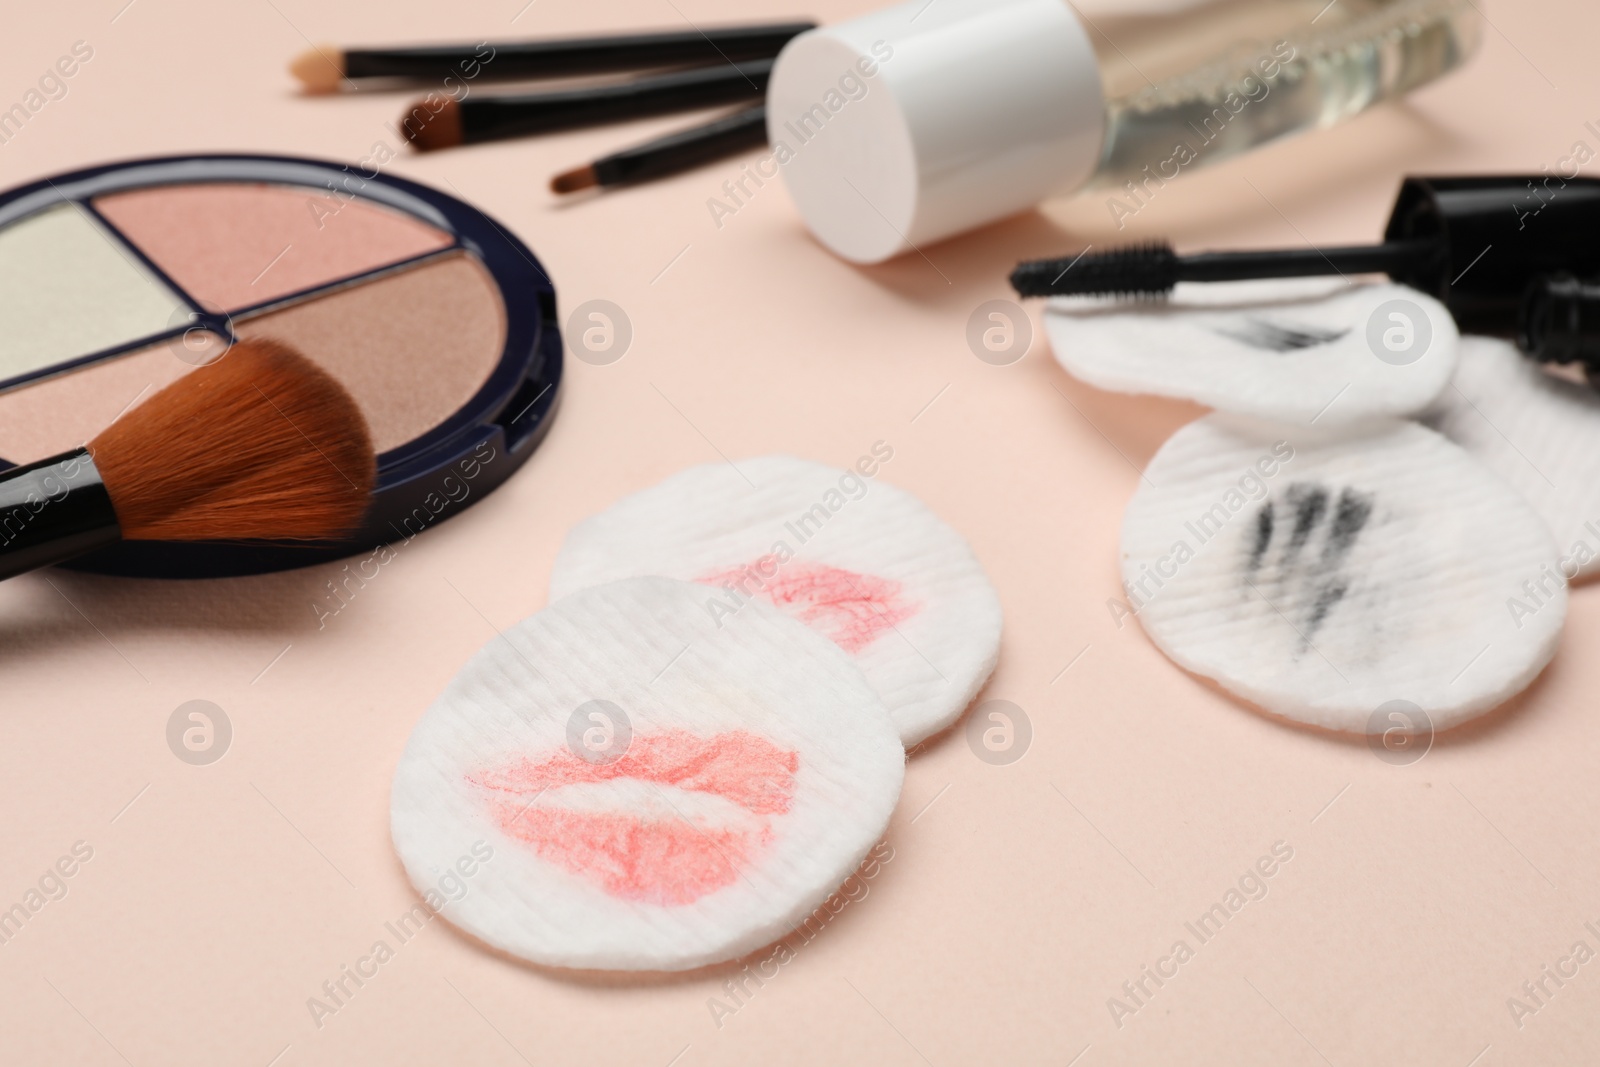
1474 243
324 68
261 444
670 154
490 118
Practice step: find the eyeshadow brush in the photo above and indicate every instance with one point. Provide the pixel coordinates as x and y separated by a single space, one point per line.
324 68
261 444
490 118
671 154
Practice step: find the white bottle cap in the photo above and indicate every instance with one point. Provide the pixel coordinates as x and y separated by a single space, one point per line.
933 117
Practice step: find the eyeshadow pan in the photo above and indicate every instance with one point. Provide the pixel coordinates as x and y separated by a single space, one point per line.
233 245
412 347
50 416
73 289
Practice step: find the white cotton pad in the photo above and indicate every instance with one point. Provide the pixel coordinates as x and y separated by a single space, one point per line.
1293 350
857 560
1538 432
1323 575
655 793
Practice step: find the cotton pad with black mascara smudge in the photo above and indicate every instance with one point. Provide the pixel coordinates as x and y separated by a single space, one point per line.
1538 432
1323 575
1296 350
657 793
857 560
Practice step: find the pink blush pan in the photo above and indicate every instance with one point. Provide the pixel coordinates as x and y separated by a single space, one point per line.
240 245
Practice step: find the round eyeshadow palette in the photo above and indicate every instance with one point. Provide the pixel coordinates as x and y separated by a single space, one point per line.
124 278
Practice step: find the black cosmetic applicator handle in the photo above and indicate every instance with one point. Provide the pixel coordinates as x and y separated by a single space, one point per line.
53 510
575 55
1156 268
489 118
685 149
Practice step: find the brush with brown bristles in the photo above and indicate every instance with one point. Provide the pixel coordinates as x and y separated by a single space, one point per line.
260 445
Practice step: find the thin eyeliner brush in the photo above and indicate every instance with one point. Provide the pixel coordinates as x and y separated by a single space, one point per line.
671 154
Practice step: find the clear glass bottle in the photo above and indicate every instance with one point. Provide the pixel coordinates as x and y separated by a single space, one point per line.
921 121
1224 78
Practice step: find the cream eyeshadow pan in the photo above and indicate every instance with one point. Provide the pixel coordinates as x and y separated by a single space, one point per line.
123 279
71 289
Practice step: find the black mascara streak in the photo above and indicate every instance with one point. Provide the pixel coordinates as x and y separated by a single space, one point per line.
1279 337
1348 520
1317 583
1330 595
1309 503
1264 522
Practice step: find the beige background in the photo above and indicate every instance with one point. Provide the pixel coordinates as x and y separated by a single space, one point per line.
1019 898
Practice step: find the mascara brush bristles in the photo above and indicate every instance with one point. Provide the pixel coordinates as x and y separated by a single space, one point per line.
1136 270
262 444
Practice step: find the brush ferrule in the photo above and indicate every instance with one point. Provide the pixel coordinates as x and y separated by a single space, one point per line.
53 510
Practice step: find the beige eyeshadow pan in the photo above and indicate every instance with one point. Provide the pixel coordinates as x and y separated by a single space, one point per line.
59 413
412 347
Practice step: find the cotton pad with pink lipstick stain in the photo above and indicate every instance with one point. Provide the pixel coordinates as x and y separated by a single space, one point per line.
857 560
658 792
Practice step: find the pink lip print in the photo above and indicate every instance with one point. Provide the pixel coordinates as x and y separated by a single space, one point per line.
852 610
666 860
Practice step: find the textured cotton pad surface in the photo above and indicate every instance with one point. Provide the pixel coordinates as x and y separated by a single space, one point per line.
1322 576
857 560
1538 432
1295 350
72 289
658 793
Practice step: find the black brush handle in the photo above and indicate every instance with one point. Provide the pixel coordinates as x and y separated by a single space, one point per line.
53 510
1393 257
1156 268
490 118
566 57
688 148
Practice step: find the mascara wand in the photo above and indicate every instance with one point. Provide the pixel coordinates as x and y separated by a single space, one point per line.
1152 269
1474 243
